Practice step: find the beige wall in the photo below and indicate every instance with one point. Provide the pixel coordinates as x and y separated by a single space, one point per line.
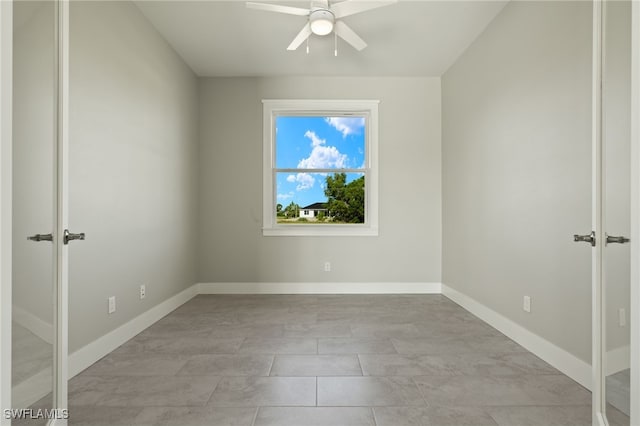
232 248
133 168
517 170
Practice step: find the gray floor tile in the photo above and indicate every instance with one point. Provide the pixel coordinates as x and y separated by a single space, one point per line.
317 330
102 416
315 416
195 416
264 391
432 416
502 390
227 365
430 361
300 346
535 416
149 364
454 364
88 390
456 345
184 343
355 346
368 392
474 328
316 365
144 391
385 330
249 330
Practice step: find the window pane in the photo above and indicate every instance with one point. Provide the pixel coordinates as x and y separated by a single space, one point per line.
316 142
320 197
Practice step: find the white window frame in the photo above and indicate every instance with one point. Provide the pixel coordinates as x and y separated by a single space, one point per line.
275 107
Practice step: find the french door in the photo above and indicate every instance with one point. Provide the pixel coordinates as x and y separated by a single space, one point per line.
615 214
39 212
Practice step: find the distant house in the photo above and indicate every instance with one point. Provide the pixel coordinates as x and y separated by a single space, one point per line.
312 210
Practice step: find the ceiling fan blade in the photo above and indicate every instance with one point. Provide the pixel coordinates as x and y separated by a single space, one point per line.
278 8
351 7
348 35
301 37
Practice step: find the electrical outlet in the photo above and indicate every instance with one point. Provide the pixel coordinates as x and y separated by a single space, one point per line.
327 266
526 304
143 291
112 304
622 317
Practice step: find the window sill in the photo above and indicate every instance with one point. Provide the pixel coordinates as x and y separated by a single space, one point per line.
320 231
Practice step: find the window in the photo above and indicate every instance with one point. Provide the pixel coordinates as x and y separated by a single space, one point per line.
320 167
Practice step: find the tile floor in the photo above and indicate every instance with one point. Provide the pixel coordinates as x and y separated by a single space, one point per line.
309 360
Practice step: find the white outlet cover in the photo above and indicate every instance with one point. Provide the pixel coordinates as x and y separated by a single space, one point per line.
112 304
526 304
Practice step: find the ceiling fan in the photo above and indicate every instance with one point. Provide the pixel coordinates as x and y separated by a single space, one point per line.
324 18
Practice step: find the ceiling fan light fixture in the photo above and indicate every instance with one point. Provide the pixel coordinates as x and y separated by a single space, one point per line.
321 22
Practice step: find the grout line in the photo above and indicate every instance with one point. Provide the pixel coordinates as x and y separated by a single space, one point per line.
395 348
360 364
273 361
255 416
212 391
426 403
373 414
316 391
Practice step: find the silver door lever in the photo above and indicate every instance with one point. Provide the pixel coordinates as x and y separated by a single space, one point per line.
68 236
40 237
617 240
589 238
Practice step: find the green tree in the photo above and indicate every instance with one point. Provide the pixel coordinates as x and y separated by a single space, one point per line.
292 210
345 200
279 211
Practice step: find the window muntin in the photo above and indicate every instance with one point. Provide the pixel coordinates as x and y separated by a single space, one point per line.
318 157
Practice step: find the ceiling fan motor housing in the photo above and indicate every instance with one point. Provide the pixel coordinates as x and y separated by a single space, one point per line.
321 21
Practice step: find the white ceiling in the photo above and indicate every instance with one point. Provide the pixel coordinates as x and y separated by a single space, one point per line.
410 38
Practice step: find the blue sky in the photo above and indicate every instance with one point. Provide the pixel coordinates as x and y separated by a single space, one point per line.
315 143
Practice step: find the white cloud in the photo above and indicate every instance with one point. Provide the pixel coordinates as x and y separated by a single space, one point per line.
346 125
304 180
322 157
315 140
285 196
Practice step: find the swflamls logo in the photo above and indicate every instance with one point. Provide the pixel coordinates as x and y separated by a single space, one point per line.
36 413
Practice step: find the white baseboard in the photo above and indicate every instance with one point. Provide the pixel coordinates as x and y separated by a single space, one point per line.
574 367
618 359
319 288
87 355
33 389
32 323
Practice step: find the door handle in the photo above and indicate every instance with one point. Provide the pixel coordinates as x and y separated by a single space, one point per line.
68 236
589 238
617 240
40 237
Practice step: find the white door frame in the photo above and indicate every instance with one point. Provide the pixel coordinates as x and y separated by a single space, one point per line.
6 105
635 212
598 338
61 352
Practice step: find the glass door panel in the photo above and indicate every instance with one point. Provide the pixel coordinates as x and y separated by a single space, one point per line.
34 198
616 139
